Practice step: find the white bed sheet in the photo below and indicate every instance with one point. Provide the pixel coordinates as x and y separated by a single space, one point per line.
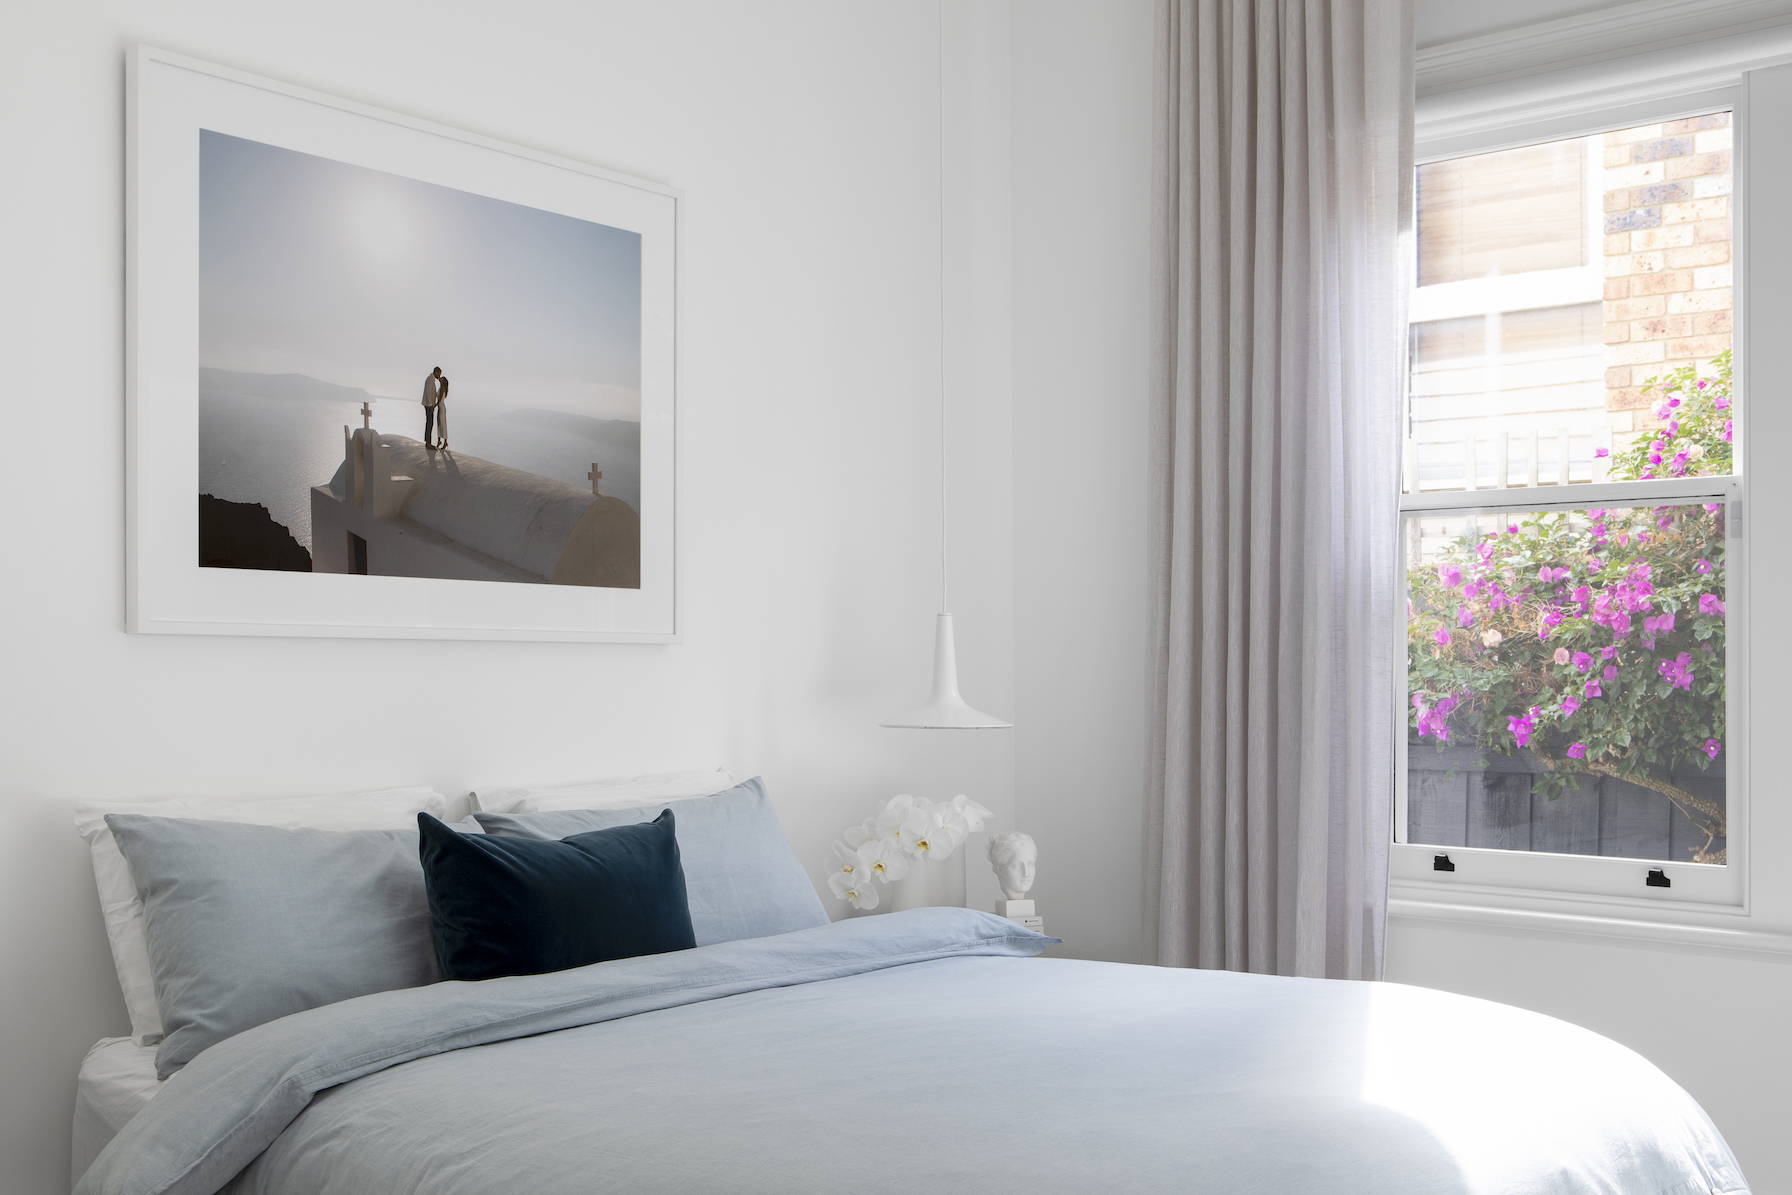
117 1078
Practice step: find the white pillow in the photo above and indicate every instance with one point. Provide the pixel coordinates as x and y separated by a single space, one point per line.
617 792
387 809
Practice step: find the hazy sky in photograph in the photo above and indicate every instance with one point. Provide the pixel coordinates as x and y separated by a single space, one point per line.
368 279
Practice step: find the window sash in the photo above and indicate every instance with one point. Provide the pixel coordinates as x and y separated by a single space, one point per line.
1481 869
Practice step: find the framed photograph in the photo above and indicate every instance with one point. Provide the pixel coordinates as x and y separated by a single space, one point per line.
387 378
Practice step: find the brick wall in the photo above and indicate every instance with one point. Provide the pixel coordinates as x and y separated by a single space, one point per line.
1667 257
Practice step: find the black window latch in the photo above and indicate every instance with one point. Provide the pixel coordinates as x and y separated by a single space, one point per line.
1442 863
1658 878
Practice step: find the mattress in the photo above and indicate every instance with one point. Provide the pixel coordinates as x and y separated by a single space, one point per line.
117 1079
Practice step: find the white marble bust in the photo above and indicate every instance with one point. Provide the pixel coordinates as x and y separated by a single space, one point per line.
1014 856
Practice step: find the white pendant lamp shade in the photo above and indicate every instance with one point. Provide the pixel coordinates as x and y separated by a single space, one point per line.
945 709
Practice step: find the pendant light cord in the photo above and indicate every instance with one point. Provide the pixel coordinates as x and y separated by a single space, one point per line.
944 608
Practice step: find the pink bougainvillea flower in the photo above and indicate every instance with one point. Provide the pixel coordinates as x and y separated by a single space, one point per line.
1711 604
1592 689
1442 636
1601 453
1608 653
1677 672
1520 729
1464 616
1610 672
1721 403
1712 508
1450 575
1673 402
1703 568
1433 720
1582 662
1577 750
1727 431
1570 705
1712 747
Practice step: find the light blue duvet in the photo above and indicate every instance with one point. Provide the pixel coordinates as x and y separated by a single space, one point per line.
919 1051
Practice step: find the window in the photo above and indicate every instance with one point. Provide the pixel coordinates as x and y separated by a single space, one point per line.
1569 517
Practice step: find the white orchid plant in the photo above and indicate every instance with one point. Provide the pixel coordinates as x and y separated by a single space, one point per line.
909 830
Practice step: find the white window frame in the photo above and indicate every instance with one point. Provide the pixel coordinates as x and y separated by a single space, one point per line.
1595 886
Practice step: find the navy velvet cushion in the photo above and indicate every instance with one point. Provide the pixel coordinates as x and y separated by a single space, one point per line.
522 906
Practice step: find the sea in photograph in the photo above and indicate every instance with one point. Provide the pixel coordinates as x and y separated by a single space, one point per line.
268 438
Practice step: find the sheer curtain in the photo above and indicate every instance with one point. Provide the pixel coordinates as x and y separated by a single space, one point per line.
1283 199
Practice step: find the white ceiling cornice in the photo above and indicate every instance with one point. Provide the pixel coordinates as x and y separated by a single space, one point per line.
1616 31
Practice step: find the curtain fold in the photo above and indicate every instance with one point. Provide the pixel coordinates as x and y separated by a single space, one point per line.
1283 177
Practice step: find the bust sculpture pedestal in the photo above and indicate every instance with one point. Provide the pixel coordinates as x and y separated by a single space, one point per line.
1021 913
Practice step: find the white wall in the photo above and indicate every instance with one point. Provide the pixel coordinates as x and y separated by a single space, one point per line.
1082 301
803 137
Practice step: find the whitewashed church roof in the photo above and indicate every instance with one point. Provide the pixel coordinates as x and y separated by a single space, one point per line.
520 518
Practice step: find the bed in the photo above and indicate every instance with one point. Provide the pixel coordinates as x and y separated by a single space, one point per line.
932 1049
117 1078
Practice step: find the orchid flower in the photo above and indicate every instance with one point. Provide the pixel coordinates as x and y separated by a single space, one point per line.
855 891
883 859
976 816
927 836
848 857
889 822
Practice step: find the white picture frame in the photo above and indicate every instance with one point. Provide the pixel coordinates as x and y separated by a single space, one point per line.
170 99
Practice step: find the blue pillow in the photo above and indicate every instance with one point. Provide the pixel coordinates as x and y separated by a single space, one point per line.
522 906
249 923
743 879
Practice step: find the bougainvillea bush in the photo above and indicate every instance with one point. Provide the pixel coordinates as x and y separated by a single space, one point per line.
1592 640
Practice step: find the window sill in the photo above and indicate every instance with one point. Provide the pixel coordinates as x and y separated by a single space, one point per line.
1602 924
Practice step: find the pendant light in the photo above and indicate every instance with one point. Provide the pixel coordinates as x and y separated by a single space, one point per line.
945 708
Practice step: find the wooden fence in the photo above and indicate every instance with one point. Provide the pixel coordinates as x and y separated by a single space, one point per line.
1452 800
